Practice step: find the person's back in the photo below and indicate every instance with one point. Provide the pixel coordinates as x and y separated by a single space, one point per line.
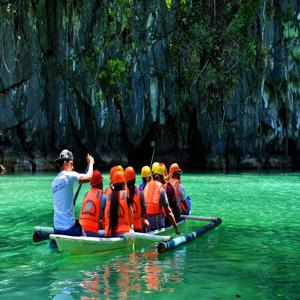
157 201
136 197
172 202
153 194
146 177
62 189
118 212
93 206
175 173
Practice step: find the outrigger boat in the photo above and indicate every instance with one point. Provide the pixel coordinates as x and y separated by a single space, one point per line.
130 240
89 245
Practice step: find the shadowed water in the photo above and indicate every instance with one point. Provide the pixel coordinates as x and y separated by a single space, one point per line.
253 254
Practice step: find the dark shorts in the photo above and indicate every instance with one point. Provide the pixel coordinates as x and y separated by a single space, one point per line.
92 234
75 230
156 222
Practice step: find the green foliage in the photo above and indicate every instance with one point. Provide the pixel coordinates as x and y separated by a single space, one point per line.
239 25
112 72
289 13
88 62
290 30
249 54
120 11
212 45
100 96
295 53
169 3
182 3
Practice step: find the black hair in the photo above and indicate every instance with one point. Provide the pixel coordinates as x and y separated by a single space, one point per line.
131 188
60 162
158 177
114 206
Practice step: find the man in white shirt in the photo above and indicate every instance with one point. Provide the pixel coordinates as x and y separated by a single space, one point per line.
62 189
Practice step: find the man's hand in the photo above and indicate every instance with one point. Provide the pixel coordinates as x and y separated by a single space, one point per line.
90 159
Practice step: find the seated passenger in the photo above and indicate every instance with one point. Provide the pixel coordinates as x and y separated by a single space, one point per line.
146 177
118 213
171 197
93 206
153 167
62 189
111 172
137 201
157 202
174 174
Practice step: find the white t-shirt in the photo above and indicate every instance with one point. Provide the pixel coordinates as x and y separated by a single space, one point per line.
62 189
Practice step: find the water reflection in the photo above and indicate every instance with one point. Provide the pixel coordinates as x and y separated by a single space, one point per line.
123 277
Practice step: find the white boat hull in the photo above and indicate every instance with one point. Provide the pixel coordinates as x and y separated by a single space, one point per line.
90 245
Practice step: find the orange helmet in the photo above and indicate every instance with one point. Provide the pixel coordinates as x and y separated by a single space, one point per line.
129 174
117 177
96 178
113 170
174 168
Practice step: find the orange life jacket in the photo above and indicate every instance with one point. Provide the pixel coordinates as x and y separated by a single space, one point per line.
152 197
171 200
137 209
123 214
108 191
90 210
175 183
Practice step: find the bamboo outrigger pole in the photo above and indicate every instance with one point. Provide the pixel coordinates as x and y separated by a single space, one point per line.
200 218
41 233
168 245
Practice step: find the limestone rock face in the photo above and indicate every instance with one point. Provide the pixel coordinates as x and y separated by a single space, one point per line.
98 77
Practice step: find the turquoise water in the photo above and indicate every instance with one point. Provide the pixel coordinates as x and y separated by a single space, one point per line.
253 254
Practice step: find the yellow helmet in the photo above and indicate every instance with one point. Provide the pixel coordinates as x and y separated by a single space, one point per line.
153 166
121 168
165 169
146 172
159 170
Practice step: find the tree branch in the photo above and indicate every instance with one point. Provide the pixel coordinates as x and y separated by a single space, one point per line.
202 70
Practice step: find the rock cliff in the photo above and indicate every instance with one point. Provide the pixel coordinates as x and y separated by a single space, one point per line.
216 84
